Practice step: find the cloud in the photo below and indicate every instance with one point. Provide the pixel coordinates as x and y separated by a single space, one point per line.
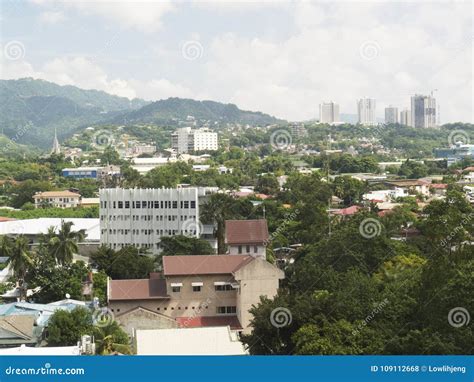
51 17
145 15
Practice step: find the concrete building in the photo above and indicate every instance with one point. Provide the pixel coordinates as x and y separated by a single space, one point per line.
57 199
185 139
193 341
366 112
140 217
391 115
405 117
197 291
329 113
456 153
92 172
248 237
423 109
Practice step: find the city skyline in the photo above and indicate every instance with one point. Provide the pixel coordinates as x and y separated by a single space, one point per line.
202 51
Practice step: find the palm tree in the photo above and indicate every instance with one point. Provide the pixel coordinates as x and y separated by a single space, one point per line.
6 246
20 260
111 339
63 245
218 209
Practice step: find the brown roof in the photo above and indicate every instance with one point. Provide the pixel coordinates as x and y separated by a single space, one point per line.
206 321
203 265
56 194
141 289
246 231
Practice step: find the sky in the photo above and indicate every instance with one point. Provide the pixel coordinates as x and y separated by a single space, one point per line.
278 57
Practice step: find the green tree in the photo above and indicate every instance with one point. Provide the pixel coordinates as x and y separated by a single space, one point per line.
111 339
66 328
183 245
64 244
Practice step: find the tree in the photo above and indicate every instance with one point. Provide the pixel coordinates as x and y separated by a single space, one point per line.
111 339
20 261
183 245
6 246
218 209
66 328
63 245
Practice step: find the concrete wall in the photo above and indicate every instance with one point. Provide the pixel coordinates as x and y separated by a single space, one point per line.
261 250
144 319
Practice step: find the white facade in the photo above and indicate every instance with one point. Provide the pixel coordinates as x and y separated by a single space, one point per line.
185 139
366 111
423 109
140 217
391 115
405 117
329 112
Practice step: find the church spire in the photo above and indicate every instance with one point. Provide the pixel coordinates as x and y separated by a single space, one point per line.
56 147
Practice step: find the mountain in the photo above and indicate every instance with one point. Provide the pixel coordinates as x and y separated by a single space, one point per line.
31 109
178 109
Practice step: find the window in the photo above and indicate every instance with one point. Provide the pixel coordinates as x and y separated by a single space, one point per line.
137 204
176 287
143 203
197 288
255 249
186 204
157 204
240 249
222 286
193 204
120 204
175 204
226 310
248 248
127 204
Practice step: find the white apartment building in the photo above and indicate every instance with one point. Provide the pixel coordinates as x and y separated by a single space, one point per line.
57 199
423 109
366 111
391 115
329 113
186 139
405 117
140 217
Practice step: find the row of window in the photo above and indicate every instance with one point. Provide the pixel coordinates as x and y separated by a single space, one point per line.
219 309
148 232
170 218
247 249
149 204
198 288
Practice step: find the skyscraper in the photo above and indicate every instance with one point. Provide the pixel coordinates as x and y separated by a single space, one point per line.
329 112
391 114
366 111
405 117
423 111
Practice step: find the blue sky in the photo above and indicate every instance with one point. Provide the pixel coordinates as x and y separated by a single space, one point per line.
283 58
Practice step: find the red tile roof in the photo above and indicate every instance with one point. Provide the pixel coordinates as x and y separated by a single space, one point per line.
203 265
347 211
142 289
246 231
202 321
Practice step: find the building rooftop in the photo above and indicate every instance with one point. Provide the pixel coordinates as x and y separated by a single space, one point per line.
193 341
203 265
56 194
246 231
140 289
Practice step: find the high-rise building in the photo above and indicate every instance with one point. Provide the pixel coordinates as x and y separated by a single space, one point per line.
141 217
329 112
185 139
391 115
405 117
423 111
366 111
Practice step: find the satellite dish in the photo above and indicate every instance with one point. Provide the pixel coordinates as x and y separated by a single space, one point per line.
68 295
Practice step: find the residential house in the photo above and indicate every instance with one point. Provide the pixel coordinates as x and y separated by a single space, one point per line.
248 237
199 291
57 199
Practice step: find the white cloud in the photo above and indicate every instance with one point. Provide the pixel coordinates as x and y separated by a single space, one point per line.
51 17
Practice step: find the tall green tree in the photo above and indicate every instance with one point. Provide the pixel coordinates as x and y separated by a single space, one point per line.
64 244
